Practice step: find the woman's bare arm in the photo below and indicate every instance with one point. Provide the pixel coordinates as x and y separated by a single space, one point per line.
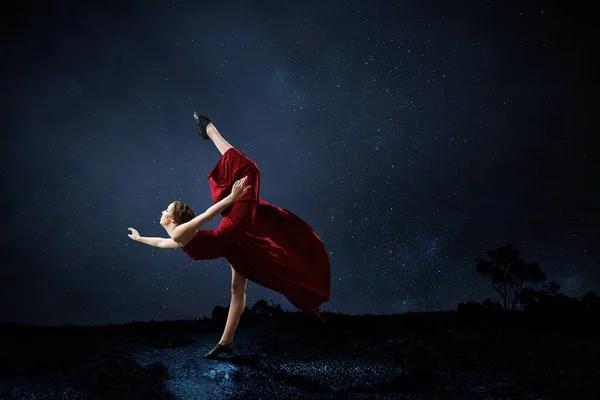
152 241
163 243
191 226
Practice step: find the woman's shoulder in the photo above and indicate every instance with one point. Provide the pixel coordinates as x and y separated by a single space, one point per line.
187 239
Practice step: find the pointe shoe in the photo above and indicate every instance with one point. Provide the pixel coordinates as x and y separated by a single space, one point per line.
218 349
202 121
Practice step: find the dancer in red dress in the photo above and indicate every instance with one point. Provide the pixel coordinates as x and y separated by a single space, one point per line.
264 243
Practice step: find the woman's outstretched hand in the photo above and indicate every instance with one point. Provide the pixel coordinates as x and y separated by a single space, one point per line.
239 189
134 234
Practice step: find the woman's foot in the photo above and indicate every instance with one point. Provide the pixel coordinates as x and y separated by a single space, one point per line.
202 121
218 349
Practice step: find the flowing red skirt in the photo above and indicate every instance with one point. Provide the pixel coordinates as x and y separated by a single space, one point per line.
264 243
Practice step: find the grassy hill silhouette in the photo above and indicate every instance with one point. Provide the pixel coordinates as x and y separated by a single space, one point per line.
476 352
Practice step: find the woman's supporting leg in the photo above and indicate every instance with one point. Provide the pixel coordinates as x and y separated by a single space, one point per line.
215 136
237 306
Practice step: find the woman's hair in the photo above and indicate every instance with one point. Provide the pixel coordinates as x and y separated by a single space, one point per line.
182 213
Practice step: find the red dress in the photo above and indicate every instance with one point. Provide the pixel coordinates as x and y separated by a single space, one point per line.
264 243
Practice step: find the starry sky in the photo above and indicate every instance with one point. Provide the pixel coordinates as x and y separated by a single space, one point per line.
412 136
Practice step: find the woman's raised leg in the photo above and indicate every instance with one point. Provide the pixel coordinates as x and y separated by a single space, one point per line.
207 131
214 135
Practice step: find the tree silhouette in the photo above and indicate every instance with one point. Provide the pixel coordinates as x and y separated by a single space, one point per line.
509 274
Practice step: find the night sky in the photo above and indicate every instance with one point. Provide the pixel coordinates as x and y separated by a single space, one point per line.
412 136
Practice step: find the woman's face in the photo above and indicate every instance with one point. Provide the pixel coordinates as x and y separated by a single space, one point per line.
166 214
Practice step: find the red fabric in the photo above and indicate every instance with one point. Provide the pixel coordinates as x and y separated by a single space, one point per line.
264 243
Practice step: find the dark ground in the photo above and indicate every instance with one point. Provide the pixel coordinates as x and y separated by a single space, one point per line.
446 355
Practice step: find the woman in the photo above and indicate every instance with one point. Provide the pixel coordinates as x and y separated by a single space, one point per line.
262 242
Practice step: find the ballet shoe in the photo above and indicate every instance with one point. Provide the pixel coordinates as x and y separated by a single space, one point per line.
218 349
202 121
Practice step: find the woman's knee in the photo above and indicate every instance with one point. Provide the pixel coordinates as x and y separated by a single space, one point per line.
238 292
238 283
238 288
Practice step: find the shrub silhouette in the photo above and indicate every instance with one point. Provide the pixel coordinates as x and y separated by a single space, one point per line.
489 304
220 313
530 297
261 307
474 307
591 299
